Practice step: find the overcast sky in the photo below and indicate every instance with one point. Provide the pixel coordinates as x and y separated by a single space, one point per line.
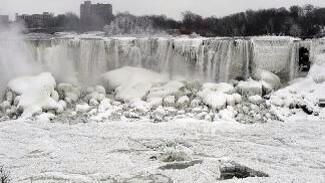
171 8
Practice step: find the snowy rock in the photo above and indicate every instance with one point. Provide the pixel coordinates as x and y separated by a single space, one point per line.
89 90
46 117
9 97
83 108
170 88
267 77
100 89
155 102
215 100
4 106
227 114
55 95
130 82
16 101
238 98
158 114
140 106
195 103
169 101
256 99
93 102
104 105
249 88
231 100
35 93
219 87
63 104
69 92
183 102
317 72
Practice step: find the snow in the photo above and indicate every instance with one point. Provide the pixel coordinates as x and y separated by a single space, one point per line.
121 151
256 99
131 83
302 93
35 93
268 77
250 88
170 88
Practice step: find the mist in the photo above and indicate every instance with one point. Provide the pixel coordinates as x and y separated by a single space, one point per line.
15 57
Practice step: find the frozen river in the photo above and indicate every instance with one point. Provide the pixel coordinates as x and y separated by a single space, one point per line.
292 151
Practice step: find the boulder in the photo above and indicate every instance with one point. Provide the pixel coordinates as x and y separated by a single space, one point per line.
249 88
268 77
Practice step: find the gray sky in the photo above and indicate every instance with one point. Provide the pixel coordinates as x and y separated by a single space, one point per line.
171 8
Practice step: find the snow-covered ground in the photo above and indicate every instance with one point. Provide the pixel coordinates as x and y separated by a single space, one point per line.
290 151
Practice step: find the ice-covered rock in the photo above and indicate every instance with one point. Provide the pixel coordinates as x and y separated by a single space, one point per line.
249 88
215 100
155 102
256 99
100 89
227 114
268 77
69 92
169 101
45 117
231 100
170 88
35 93
104 105
317 72
55 95
130 82
140 106
158 114
238 98
183 102
219 87
83 108
195 103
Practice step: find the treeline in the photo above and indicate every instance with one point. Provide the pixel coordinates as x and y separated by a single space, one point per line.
306 21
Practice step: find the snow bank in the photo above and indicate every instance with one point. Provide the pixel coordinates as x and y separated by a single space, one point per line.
35 93
130 82
268 77
302 94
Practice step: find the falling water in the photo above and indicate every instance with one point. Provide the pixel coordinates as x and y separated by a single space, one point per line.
84 59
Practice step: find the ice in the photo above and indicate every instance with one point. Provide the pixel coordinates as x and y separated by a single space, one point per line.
270 80
303 93
250 88
35 93
131 83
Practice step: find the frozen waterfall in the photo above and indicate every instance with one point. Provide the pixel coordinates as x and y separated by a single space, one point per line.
84 59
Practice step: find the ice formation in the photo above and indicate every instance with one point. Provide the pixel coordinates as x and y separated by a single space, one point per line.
35 94
166 77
